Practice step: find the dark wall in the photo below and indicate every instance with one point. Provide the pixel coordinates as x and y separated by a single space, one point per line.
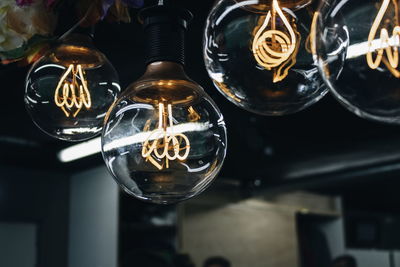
41 198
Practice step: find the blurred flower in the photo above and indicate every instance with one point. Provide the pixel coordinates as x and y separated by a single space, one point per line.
18 24
48 3
28 21
24 2
8 38
92 11
107 4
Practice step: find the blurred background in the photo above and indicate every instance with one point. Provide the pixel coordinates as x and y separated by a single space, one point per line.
318 188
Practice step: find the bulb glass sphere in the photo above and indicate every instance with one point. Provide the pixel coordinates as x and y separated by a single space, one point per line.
69 90
357 50
258 54
164 140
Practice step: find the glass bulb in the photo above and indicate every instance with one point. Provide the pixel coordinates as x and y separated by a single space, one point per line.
357 44
69 90
257 52
164 140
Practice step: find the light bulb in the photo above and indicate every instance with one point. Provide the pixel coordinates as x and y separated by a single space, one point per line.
258 54
69 90
356 47
164 139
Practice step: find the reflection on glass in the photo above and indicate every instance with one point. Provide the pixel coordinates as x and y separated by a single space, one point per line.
257 53
356 48
69 90
164 140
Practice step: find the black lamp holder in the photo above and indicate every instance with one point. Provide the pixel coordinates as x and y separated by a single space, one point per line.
165 28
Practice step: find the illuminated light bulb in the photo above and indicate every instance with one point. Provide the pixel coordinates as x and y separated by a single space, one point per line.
164 139
257 53
356 48
69 90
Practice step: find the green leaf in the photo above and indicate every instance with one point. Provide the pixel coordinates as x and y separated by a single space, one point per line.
24 50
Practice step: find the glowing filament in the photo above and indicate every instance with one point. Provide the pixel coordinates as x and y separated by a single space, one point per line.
72 93
273 48
193 115
162 143
388 44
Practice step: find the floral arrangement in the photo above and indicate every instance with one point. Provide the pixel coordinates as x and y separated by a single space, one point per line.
27 26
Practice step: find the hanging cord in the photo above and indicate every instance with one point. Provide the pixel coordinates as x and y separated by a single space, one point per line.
90 9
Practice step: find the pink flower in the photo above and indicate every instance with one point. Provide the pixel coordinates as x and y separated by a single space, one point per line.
24 2
47 3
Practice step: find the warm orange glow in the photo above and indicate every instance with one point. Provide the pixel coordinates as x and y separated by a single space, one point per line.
72 93
274 49
193 115
388 44
311 39
162 143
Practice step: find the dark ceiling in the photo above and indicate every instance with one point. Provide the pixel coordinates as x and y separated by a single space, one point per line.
325 145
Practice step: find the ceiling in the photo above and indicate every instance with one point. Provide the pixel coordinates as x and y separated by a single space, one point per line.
324 145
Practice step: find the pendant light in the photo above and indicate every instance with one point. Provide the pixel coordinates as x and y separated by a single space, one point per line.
258 54
69 90
357 50
164 139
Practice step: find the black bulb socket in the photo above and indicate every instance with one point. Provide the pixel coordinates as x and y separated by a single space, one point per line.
164 29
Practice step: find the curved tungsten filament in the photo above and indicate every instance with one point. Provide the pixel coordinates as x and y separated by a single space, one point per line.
162 143
193 115
385 43
72 93
273 48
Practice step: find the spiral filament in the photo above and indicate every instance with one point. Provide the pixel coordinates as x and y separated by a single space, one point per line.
162 144
72 93
275 49
385 43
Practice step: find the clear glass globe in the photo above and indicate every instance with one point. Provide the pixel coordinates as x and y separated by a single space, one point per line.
69 90
164 140
258 54
357 44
